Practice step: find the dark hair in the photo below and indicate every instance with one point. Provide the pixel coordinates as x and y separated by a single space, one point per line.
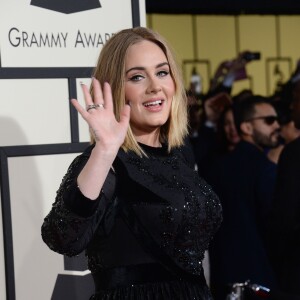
245 110
221 136
242 95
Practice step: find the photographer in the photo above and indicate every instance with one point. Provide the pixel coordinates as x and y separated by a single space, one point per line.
230 71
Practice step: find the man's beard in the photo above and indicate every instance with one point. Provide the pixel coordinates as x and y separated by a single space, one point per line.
266 141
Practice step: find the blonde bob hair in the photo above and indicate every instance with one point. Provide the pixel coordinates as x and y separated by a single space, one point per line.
111 68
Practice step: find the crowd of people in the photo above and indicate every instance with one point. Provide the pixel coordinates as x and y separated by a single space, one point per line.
246 147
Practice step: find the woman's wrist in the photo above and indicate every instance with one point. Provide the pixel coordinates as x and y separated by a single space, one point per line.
107 152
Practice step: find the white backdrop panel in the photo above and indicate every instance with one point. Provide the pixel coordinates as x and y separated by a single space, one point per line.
2 269
34 111
74 39
33 185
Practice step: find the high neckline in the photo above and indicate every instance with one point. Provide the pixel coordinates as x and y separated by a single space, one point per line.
163 150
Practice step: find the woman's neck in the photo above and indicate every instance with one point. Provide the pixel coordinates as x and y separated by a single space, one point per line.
150 139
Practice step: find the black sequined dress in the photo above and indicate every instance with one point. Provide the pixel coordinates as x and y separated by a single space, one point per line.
177 209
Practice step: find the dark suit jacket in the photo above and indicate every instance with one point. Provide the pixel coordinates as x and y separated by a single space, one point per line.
244 181
285 220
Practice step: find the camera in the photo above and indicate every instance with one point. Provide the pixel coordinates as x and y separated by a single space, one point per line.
249 56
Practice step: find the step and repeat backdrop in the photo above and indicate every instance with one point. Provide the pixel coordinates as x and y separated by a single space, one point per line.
47 47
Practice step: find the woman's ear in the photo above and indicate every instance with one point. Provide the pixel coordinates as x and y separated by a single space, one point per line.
246 128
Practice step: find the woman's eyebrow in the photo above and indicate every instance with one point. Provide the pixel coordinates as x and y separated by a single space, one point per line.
143 68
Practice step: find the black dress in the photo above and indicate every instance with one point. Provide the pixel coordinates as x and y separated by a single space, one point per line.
175 209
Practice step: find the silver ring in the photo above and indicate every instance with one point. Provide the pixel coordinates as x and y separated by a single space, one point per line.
101 105
91 106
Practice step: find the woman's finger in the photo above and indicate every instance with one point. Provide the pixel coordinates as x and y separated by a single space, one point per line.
125 115
108 96
97 90
79 108
87 96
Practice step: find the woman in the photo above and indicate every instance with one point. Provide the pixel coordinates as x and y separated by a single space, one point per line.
132 200
228 135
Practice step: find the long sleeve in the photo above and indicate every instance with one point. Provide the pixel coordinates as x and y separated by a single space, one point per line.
73 219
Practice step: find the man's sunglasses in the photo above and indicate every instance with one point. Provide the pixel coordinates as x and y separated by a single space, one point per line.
269 120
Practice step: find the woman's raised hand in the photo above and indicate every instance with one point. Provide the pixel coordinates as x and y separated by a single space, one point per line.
99 114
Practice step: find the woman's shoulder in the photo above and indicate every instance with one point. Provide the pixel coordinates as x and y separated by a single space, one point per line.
187 152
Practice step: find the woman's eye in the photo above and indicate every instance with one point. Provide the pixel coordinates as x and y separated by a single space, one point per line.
136 78
162 73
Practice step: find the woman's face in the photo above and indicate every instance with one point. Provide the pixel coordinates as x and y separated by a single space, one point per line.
289 132
230 129
149 87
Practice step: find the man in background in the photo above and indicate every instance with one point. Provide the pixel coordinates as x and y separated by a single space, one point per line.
244 180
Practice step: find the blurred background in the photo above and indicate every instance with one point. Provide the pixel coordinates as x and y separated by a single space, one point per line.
38 141
205 33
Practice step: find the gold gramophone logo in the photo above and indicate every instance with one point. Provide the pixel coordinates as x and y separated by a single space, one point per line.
67 6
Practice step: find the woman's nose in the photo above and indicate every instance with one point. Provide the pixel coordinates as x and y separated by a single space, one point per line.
153 86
